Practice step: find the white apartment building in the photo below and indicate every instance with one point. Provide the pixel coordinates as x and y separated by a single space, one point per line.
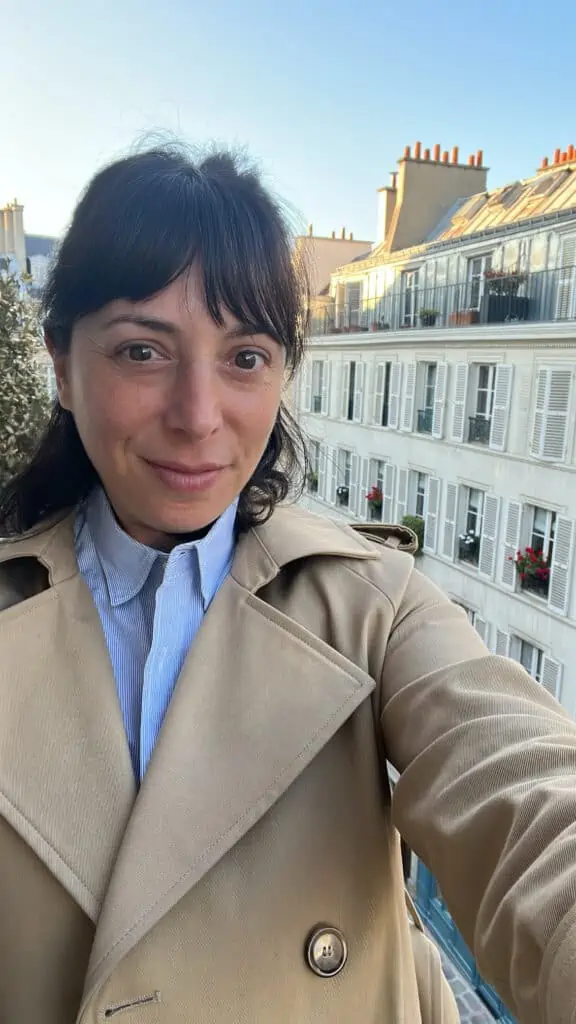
474 431
442 373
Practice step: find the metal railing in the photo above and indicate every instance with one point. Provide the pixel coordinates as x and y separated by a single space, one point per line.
539 297
479 430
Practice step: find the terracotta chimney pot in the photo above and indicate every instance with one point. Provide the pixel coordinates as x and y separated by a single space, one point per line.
479 158
436 152
445 157
426 154
407 152
556 156
455 154
418 151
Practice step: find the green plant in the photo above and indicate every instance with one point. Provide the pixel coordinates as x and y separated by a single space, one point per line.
416 524
24 402
428 312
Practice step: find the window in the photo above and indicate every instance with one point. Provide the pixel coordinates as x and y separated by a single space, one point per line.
376 488
313 467
484 378
537 557
421 483
350 392
317 384
472 515
426 413
344 479
410 297
385 414
530 657
354 303
477 267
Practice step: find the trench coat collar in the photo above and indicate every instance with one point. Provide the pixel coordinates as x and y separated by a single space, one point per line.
257 699
289 535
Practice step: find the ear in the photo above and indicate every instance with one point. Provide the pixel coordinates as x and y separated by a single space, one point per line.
60 363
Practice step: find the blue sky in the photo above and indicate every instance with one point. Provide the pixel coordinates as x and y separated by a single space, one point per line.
324 94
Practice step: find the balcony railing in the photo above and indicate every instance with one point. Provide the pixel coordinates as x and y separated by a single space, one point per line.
479 430
424 421
542 296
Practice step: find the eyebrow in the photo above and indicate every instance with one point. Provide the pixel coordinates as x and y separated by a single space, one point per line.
153 323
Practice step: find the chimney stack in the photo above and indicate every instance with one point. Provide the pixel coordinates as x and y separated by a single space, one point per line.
455 154
417 150
479 158
445 157
471 160
544 163
343 235
426 154
407 152
393 179
436 153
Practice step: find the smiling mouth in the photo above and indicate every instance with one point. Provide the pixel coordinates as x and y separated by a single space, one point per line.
183 478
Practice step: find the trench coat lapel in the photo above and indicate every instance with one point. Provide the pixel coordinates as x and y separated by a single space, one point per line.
257 698
66 780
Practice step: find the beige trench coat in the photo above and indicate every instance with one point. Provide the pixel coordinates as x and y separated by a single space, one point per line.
266 811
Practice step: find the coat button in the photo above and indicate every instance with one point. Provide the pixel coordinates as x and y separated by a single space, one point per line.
326 951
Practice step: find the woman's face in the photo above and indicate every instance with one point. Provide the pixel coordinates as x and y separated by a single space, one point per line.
173 410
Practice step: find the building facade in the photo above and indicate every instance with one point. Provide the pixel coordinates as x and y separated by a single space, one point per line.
439 389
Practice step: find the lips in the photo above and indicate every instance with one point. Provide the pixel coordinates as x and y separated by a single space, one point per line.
187 479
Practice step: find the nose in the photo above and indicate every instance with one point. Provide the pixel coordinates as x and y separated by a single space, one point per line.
194 404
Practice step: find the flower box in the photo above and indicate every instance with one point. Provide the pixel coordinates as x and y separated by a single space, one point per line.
464 317
533 571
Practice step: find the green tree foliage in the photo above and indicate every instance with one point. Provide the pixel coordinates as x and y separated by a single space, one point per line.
24 399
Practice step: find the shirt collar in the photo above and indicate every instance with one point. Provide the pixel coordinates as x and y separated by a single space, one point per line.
127 564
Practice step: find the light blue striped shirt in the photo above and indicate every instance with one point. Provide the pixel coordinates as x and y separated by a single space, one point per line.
151 605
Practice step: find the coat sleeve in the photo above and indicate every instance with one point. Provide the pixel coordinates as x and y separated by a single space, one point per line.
487 798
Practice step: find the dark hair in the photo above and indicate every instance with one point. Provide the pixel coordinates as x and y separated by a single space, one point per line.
142 222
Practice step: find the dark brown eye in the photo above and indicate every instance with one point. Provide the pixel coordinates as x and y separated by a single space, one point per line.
248 360
139 353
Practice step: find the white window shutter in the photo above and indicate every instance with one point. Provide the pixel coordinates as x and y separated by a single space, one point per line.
539 414
364 488
483 629
331 474
359 380
409 394
440 400
450 517
502 644
489 537
431 519
395 392
511 544
307 387
326 378
388 493
501 411
354 484
560 570
379 371
322 466
551 676
344 390
402 495
566 279
549 429
460 401
556 424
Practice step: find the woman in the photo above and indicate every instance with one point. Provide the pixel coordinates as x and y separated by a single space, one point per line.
200 686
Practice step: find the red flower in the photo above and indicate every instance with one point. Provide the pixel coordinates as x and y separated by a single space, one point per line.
522 575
